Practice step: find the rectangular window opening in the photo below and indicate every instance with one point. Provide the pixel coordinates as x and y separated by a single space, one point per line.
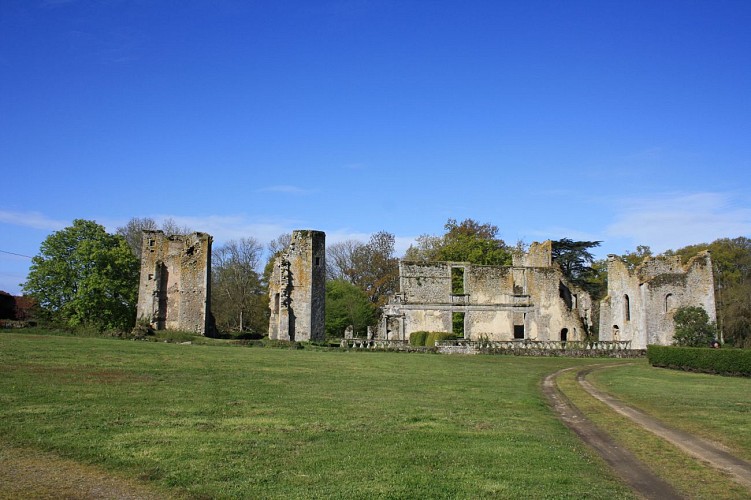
518 332
457 323
457 281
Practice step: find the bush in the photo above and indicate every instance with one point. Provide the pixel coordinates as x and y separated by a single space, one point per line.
692 327
417 339
434 337
725 361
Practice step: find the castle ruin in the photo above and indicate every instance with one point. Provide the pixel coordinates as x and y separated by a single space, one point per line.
531 299
297 289
641 302
174 289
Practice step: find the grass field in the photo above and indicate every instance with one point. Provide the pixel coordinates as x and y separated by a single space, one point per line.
674 397
211 421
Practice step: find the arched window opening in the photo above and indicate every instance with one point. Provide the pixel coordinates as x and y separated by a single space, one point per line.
564 334
669 302
616 333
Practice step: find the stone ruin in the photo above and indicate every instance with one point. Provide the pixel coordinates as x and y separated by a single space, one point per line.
531 299
641 302
297 289
174 289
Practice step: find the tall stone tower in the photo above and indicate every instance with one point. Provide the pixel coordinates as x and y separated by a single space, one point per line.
174 290
297 289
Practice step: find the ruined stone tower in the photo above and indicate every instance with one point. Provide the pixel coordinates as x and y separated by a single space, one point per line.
297 289
641 302
173 293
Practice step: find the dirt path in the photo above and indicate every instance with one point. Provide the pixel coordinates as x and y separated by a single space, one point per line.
26 473
708 452
624 464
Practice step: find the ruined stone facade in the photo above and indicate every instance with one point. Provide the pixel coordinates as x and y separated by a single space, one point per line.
530 299
640 303
297 289
174 291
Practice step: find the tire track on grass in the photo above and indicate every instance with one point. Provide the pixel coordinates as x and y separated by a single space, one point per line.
738 469
630 469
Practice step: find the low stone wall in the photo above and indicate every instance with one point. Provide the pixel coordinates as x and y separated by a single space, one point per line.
573 349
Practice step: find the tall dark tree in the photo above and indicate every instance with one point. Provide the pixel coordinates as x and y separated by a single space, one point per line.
84 276
576 260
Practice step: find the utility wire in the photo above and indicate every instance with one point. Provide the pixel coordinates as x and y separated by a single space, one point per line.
16 254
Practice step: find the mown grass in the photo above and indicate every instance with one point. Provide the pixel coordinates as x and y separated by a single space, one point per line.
712 406
268 423
691 477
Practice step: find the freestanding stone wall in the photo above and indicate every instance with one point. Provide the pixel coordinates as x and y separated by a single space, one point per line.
641 302
174 290
297 289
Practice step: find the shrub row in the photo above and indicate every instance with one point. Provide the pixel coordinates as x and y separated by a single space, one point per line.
703 359
428 339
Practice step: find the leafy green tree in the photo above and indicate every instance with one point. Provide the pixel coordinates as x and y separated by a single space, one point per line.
375 270
466 241
347 304
692 327
634 259
84 276
238 300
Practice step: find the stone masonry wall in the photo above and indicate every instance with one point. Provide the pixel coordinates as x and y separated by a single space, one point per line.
174 288
641 302
297 289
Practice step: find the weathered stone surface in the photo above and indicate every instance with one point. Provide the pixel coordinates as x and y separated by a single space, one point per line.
640 303
173 293
297 289
530 299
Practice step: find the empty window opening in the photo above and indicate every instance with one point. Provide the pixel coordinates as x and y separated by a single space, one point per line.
457 281
626 308
318 261
564 334
457 324
616 333
518 331
190 250
669 300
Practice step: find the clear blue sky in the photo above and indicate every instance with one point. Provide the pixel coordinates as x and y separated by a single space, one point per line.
622 121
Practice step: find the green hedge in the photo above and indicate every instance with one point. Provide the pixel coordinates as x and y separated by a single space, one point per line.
704 359
428 338
417 339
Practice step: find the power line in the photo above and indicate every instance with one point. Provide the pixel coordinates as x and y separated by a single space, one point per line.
16 254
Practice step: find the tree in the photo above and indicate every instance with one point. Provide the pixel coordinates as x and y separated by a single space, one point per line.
375 269
347 304
236 291
340 259
692 327
576 262
634 259
467 241
85 276
133 231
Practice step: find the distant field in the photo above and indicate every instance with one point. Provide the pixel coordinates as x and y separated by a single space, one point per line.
251 422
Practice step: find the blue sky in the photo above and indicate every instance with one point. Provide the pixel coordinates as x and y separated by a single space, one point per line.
622 121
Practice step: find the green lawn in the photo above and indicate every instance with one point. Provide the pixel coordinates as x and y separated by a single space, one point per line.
712 406
263 423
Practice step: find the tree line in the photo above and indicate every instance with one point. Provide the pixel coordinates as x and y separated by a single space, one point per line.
86 277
